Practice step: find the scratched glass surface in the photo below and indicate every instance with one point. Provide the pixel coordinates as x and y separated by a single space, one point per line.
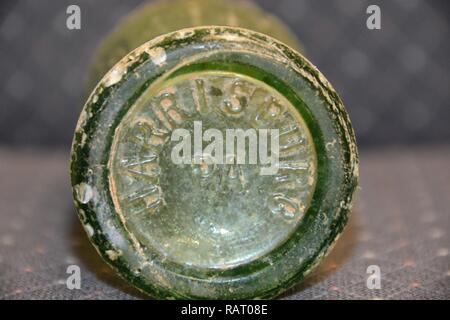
210 215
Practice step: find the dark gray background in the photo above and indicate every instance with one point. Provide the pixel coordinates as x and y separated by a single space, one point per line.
394 81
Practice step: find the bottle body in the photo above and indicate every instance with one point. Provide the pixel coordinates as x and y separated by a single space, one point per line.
160 17
165 201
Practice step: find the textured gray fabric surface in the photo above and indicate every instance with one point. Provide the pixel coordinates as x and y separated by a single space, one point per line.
401 223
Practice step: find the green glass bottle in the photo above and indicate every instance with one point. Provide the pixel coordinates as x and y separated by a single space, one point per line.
163 16
213 161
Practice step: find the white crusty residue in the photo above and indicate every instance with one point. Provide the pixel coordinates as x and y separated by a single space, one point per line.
84 192
115 75
83 139
157 55
89 229
113 254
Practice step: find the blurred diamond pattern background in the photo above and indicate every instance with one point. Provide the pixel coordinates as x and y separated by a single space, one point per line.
394 82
